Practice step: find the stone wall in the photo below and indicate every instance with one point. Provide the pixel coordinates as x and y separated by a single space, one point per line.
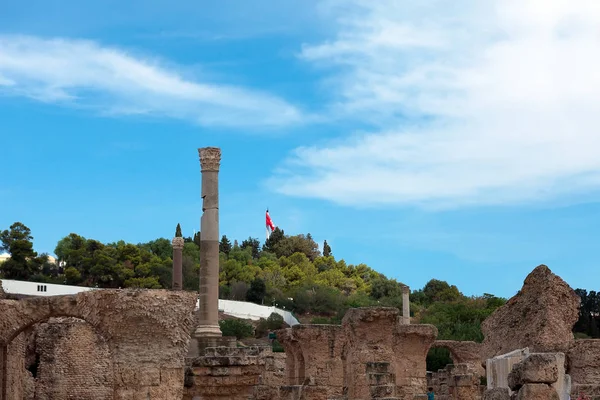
371 355
456 382
235 374
74 362
147 333
583 365
464 352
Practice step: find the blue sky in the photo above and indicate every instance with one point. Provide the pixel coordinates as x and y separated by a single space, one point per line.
459 144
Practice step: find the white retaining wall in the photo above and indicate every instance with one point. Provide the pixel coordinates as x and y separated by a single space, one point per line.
239 309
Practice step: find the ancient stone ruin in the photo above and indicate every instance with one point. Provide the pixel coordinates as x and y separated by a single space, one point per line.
122 343
152 344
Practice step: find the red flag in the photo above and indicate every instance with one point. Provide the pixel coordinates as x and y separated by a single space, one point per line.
270 225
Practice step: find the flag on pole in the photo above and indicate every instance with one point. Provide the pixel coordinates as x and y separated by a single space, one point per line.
270 226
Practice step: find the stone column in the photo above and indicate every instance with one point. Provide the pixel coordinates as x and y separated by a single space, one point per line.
405 305
177 263
208 313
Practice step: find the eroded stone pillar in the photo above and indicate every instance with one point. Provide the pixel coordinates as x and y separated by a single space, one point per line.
405 305
177 263
208 313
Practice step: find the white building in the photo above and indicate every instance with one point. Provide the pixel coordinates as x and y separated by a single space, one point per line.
238 309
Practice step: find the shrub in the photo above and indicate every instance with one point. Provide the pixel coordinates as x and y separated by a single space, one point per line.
274 322
277 347
236 327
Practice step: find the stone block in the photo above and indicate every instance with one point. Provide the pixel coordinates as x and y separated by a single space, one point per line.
496 394
537 391
535 368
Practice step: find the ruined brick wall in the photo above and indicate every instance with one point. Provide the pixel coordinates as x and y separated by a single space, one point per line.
583 365
371 355
147 332
235 374
456 382
74 362
463 352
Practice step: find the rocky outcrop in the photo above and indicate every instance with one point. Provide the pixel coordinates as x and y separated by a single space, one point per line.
541 316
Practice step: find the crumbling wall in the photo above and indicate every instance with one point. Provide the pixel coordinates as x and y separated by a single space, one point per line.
371 355
74 362
456 382
314 357
147 333
541 316
463 352
235 374
583 365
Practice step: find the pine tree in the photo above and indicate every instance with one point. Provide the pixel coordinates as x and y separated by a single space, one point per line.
225 245
178 231
326 249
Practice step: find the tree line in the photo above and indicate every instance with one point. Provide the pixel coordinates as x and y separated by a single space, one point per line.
289 271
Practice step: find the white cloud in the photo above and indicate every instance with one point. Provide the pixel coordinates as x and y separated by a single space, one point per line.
84 73
472 103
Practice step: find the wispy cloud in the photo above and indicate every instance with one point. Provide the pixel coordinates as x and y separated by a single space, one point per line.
473 103
112 81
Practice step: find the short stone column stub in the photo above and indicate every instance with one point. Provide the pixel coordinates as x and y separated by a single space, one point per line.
405 305
177 244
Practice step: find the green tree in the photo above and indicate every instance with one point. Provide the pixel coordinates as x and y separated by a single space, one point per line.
225 245
297 244
197 239
236 327
326 249
23 261
254 245
436 290
276 236
178 231
257 291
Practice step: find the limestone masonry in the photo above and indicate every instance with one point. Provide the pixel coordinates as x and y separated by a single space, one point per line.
153 345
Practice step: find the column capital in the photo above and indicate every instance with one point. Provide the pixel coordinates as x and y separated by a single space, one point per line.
210 158
177 243
405 289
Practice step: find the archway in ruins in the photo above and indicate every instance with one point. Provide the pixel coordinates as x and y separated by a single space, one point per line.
458 352
438 357
56 357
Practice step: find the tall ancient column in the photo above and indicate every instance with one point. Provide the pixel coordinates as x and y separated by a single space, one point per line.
177 263
210 158
405 305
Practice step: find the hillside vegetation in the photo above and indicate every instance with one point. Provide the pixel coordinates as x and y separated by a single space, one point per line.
287 271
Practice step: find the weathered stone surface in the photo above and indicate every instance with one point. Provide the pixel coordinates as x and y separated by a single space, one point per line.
463 352
498 368
537 391
455 382
541 316
583 359
74 362
371 355
535 368
496 394
2 293
146 331
235 373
